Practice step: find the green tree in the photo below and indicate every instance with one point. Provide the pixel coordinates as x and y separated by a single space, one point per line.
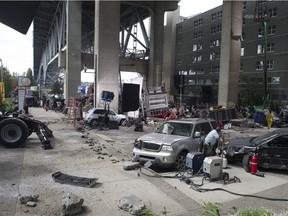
30 75
10 82
250 92
57 88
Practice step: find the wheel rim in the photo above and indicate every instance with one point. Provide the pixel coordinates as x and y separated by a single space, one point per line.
11 133
180 162
94 123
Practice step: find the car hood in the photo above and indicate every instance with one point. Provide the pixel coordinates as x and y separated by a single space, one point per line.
239 145
239 142
161 138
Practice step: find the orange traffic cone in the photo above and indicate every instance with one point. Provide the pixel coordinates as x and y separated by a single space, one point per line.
254 164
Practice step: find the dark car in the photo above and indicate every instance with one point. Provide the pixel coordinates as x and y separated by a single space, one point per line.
271 150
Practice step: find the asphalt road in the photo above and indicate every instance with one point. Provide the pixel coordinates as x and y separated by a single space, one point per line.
28 170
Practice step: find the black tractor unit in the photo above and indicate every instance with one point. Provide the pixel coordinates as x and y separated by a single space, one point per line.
15 130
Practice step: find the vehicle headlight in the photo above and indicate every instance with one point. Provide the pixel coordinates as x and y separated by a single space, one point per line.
167 148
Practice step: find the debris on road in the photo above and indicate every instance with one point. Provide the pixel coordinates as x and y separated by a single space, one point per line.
26 199
74 180
31 204
71 204
132 204
129 165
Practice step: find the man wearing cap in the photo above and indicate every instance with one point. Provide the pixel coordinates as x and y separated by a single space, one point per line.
211 141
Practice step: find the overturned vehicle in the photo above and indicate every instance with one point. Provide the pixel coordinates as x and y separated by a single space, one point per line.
271 150
15 130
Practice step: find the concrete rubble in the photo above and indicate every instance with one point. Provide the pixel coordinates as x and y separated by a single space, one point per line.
25 199
129 165
71 204
31 173
132 204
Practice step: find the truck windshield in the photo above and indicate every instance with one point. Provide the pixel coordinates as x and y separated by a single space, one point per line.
175 128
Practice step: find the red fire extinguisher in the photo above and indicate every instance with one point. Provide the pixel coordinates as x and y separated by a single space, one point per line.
254 164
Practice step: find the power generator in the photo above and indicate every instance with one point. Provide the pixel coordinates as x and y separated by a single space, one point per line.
212 167
194 161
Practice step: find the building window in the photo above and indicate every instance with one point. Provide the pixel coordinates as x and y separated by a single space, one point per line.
271 30
216 29
259 65
243 36
241 66
197 34
242 51
196 47
179 28
198 22
270 64
244 5
208 82
215 43
199 82
215 69
201 21
196 59
192 72
191 82
270 48
216 15
260 32
274 80
273 12
200 71
215 56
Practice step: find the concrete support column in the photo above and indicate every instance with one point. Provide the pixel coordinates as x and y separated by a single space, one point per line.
156 45
106 59
169 50
73 69
230 53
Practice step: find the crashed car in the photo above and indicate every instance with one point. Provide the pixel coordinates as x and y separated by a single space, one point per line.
271 150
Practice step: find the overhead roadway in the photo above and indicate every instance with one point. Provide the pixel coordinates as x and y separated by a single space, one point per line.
46 14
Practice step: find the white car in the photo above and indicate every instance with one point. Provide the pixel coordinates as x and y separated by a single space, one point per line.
95 116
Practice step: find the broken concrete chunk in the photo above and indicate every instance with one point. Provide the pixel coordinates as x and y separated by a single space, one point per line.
31 204
71 204
132 204
129 165
26 199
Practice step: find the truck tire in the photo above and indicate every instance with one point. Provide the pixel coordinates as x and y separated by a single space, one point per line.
13 132
246 162
180 163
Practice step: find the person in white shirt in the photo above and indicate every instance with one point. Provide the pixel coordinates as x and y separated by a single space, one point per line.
211 141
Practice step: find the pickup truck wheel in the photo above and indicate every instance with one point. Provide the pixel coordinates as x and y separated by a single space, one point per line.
180 163
13 132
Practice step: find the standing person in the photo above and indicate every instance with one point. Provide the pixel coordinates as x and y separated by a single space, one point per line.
211 141
269 118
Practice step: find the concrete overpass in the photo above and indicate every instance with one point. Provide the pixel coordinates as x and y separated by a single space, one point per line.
69 34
